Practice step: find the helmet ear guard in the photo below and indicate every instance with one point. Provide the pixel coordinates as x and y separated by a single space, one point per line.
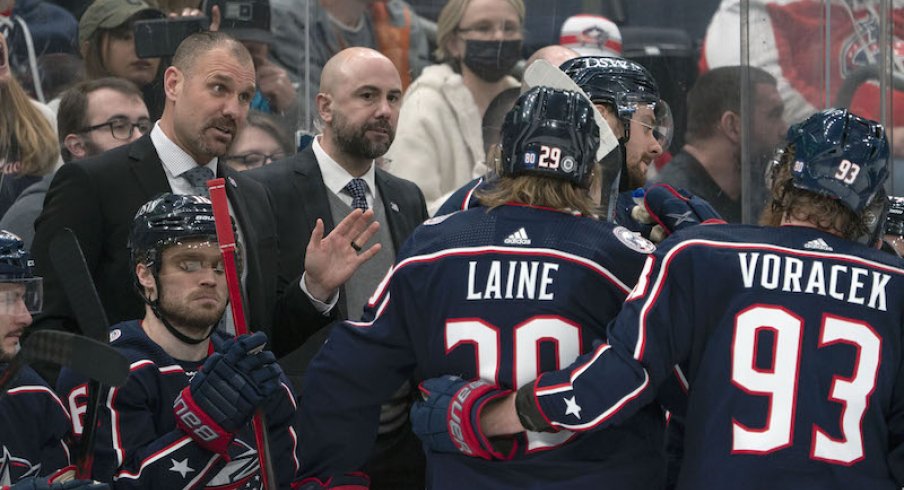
551 133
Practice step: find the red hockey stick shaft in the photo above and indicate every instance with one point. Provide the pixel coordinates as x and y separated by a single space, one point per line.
226 240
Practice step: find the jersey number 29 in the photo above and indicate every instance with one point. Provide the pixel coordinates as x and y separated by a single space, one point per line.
527 337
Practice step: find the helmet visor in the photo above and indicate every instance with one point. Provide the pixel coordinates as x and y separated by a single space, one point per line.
654 115
18 295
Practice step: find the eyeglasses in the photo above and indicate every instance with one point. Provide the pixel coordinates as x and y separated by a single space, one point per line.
122 129
486 30
254 159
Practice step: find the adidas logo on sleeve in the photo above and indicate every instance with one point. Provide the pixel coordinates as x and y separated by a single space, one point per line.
518 238
818 244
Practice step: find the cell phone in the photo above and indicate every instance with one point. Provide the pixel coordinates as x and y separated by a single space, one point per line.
159 38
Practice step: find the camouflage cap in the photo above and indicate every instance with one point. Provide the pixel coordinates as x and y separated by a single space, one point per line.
107 14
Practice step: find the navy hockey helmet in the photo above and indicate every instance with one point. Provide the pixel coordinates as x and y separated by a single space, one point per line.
840 155
550 133
16 267
894 222
166 220
625 85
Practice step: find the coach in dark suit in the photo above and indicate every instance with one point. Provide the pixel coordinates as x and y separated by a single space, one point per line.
359 106
208 91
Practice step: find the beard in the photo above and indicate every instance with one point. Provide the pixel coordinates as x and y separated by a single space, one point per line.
353 141
194 321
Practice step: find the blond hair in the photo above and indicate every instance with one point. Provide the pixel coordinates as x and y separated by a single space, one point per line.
537 190
26 136
450 17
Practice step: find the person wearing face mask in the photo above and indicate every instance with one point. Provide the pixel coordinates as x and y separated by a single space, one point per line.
439 145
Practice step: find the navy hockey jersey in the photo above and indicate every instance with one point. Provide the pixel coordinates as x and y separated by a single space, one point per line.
33 426
793 343
138 444
503 295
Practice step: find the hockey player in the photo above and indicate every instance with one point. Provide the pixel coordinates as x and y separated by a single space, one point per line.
627 96
182 420
792 335
502 293
35 422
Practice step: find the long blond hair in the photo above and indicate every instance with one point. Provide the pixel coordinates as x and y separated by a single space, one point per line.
26 136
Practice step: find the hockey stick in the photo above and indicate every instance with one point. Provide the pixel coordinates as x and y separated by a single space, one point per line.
226 240
542 73
88 357
72 272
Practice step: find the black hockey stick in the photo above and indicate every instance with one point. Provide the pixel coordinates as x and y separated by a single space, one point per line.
72 272
88 357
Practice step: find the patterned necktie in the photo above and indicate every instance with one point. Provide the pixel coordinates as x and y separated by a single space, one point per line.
357 188
197 178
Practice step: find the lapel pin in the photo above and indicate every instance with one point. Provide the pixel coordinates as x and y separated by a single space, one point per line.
394 206
232 181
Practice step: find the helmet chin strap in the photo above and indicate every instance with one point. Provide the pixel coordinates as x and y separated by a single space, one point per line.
155 307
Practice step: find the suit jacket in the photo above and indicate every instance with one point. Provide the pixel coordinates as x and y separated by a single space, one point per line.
299 198
98 198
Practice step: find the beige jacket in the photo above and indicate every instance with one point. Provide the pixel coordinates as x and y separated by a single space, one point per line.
439 143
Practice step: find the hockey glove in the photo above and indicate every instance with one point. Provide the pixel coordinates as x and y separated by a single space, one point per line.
672 210
224 394
37 483
348 481
447 419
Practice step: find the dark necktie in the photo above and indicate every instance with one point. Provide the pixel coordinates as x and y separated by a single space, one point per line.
357 188
197 178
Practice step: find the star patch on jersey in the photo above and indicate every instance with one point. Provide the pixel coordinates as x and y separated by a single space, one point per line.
633 240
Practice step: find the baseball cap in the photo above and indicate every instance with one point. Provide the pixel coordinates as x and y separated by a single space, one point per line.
107 14
591 35
245 20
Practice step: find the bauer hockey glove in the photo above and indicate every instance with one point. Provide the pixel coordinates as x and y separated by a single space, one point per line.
672 210
447 419
224 394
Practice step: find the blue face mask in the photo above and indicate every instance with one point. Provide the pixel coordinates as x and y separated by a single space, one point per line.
491 60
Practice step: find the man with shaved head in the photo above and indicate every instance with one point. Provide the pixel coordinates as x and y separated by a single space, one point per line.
208 91
358 107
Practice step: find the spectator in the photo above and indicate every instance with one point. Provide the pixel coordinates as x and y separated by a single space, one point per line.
35 28
325 27
591 35
28 146
709 164
95 116
249 22
208 89
262 141
107 44
182 418
311 191
440 146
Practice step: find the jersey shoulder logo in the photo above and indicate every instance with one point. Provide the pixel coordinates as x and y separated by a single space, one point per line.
518 238
633 240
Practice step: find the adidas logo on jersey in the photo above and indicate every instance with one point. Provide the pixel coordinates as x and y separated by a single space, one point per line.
818 244
517 238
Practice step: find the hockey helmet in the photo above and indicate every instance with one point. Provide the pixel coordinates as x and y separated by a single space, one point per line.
625 85
550 133
167 220
840 155
16 269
